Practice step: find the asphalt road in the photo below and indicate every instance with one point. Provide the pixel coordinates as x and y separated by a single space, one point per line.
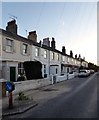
79 101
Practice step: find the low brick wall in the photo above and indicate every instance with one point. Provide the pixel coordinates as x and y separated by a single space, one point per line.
30 84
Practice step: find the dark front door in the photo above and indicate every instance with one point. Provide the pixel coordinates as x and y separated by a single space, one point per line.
12 74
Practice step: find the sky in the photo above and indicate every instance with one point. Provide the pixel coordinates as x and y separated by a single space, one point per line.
72 24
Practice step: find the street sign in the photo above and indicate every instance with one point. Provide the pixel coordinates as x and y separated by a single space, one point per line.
10 86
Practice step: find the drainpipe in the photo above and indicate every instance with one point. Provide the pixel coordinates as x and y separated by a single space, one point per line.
49 63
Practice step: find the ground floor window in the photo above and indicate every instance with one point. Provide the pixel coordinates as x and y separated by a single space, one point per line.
44 69
20 68
45 74
21 72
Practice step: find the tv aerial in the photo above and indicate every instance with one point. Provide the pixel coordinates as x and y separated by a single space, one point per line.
13 17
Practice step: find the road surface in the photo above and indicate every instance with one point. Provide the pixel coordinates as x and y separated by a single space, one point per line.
79 101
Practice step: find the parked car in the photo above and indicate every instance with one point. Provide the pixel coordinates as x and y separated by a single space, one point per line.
92 71
88 71
83 73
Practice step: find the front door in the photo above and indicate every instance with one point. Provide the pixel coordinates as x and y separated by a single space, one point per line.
13 74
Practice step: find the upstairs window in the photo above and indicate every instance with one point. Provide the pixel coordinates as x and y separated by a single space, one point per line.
72 60
68 60
63 58
36 52
75 62
9 45
25 46
53 55
45 54
57 57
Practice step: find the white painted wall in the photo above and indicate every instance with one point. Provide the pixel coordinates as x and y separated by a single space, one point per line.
6 69
17 54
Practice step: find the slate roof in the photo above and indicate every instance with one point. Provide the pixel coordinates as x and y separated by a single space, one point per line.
26 40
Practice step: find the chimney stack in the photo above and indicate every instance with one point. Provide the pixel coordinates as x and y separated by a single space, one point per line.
63 50
71 53
53 43
76 56
12 26
83 58
46 42
32 36
79 57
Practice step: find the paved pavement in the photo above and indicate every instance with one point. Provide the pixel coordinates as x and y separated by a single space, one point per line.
40 95
35 96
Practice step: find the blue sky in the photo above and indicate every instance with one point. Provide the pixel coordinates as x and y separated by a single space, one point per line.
72 24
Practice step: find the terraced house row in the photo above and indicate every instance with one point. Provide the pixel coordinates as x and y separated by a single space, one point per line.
15 50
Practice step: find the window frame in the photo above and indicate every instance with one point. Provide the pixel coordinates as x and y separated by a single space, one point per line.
63 58
21 69
44 69
36 51
45 54
25 49
58 57
9 47
53 55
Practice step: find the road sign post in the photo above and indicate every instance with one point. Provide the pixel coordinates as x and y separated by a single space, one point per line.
10 87
10 100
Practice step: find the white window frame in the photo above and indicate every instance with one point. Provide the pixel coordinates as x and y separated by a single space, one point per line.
63 58
36 51
57 56
72 61
25 50
45 54
75 62
53 55
68 59
21 68
9 45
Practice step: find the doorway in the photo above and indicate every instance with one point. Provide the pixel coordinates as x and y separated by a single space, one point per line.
13 74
